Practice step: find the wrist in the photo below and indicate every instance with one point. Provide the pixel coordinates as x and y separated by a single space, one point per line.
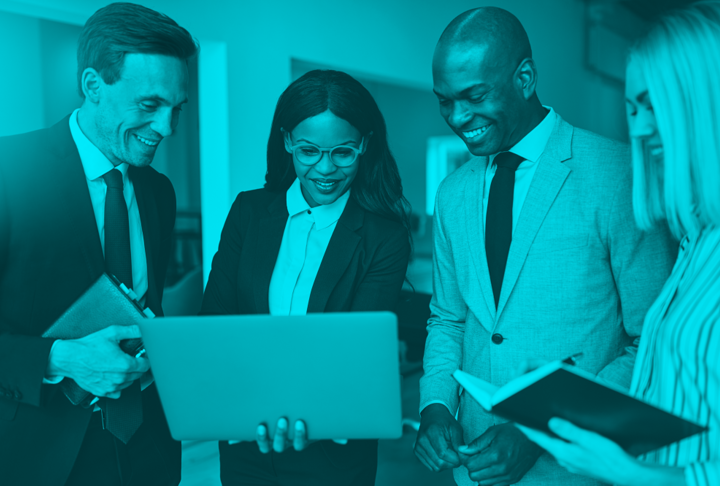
59 358
435 410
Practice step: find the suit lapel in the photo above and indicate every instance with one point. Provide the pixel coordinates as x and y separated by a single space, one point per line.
270 235
544 188
474 210
72 184
338 255
149 221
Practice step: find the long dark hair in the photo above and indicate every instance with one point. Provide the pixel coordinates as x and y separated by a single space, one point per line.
377 187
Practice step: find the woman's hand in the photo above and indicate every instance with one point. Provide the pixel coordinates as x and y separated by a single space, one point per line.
586 453
280 441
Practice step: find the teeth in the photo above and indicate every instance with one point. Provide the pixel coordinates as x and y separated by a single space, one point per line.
145 140
325 185
474 133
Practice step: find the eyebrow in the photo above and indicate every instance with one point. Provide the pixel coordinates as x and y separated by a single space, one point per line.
641 97
161 99
468 89
313 143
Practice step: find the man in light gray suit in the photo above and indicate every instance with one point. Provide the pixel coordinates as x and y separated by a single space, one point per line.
536 253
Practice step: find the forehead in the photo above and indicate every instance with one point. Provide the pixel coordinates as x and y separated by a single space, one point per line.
635 83
460 66
326 130
154 75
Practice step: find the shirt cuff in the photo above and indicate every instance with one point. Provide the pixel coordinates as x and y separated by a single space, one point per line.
52 379
439 401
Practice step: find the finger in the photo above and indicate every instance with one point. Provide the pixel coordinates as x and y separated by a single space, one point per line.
281 435
340 441
262 439
528 365
422 456
114 395
118 333
573 433
233 442
300 439
479 444
492 474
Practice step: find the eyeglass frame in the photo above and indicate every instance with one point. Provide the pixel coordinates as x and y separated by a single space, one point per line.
358 152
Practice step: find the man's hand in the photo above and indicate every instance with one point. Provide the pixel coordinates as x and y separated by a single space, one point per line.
439 438
280 441
96 362
500 456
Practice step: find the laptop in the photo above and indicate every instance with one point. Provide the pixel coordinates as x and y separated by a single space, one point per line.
219 377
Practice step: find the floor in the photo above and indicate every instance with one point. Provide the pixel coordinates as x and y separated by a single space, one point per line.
397 464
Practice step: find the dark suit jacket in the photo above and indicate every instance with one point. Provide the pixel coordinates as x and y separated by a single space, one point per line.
362 270
50 253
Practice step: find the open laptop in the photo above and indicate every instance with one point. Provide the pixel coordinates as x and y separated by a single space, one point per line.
220 376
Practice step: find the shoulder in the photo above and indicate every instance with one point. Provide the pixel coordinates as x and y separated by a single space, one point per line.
250 202
24 151
602 156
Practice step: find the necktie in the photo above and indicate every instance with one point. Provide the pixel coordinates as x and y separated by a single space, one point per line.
122 416
498 224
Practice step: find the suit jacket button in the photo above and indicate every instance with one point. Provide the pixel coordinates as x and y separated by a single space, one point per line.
497 338
18 395
8 394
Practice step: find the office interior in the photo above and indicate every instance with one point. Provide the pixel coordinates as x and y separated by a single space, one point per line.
250 51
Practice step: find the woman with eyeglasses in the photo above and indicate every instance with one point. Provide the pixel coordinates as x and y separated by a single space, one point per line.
673 100
331 216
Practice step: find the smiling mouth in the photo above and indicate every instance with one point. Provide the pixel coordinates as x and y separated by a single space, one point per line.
324 184
476 133
148 142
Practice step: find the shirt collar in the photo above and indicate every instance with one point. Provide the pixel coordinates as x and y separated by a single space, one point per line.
533 144
94 162
324 215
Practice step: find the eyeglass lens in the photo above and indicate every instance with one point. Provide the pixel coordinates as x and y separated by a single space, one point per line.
340 156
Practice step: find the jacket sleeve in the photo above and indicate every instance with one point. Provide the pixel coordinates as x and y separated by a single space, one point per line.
23 359
641 262
446 326
220 296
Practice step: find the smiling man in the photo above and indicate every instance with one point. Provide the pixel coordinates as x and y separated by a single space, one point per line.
76 200
536 253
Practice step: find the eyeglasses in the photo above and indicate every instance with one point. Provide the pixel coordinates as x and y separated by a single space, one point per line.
340 155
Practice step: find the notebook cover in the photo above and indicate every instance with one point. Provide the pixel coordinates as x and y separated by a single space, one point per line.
631 423
104 304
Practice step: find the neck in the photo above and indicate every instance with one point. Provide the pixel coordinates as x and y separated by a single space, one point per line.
84 119
530 119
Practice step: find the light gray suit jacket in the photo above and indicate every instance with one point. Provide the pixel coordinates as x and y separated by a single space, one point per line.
580 276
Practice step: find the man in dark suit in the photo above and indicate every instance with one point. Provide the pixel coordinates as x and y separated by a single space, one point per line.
76 200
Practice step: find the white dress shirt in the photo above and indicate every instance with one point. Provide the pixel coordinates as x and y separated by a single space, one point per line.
529 148
306 237
95 165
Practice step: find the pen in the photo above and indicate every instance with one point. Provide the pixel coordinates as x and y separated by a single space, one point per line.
571 360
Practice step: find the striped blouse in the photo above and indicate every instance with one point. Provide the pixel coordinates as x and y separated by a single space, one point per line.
678 363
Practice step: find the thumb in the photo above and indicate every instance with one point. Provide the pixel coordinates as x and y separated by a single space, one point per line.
477 445
118 333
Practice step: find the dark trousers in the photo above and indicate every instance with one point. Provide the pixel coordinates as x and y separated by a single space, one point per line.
321 464
104 460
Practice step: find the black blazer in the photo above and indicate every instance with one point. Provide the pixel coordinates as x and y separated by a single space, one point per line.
362 270
50 253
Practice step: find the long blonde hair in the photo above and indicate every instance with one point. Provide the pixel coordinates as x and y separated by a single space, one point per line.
680 60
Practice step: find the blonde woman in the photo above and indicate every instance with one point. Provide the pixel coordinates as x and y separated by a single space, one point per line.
673 101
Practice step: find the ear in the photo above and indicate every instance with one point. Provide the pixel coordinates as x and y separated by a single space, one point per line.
286 138
366 142
92 84
526 78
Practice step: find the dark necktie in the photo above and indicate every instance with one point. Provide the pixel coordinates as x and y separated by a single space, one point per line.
498 223
122 416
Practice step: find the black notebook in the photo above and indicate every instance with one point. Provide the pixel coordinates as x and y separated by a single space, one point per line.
107 302
561 390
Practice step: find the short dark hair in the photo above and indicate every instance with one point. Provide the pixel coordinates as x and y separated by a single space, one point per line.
124 28
377 187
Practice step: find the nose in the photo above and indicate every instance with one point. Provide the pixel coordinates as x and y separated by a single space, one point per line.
459 115
164 122
325 165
